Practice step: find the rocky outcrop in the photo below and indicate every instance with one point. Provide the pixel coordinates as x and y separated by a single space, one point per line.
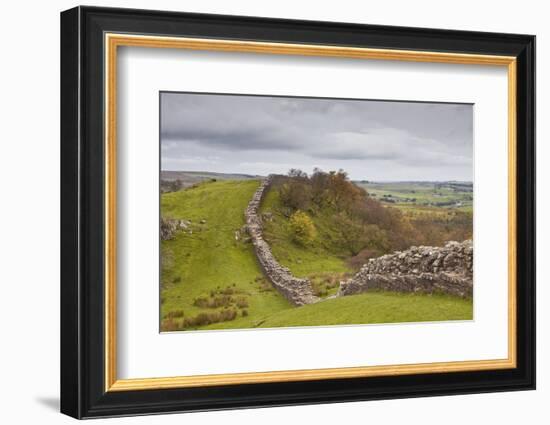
421 269
297 291
169 227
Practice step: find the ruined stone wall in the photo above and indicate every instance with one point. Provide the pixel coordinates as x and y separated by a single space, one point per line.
297 291
422 269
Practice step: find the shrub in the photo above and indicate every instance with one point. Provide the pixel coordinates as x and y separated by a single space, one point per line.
244 313
227 315
295 195
302 227
357 261
241 302
203 319
201 302
324 283
319 289
215 302
169 325
223 301
176 279
174 314
227 291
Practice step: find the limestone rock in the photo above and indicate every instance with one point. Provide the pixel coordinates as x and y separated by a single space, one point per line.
423 269
169 227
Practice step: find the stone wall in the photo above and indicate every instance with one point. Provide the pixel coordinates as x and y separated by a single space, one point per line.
297 291
422 269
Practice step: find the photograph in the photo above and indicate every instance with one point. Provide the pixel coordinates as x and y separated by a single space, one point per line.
283 211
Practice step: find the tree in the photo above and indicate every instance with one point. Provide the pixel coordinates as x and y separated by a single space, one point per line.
297 173
295 194
353 235
303 229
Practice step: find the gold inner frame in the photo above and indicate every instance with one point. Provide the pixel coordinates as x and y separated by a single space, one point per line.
113 41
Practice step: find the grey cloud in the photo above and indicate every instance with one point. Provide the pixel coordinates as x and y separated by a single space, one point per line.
385 138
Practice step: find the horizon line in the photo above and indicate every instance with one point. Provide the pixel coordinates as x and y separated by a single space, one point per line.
353 180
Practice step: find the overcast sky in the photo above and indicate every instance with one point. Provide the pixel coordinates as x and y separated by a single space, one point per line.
371 140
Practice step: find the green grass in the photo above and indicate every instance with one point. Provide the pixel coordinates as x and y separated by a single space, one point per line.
303 261
375 307
210 257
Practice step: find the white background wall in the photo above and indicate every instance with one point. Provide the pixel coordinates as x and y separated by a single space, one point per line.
29 213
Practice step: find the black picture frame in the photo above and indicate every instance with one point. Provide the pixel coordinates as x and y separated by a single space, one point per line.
83 392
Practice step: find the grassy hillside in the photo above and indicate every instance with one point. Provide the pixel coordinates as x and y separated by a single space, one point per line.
320 260
172 181
210 278
375 307
207 260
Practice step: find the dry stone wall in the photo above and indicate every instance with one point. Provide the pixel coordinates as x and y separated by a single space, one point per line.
422 269
297 291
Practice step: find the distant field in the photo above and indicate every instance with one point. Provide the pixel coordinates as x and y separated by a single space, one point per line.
422 196
186 179
210 270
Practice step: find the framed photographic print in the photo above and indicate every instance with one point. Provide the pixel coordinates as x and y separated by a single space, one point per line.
261 212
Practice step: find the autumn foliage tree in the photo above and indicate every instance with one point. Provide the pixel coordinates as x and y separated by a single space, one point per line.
357 224
303 229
